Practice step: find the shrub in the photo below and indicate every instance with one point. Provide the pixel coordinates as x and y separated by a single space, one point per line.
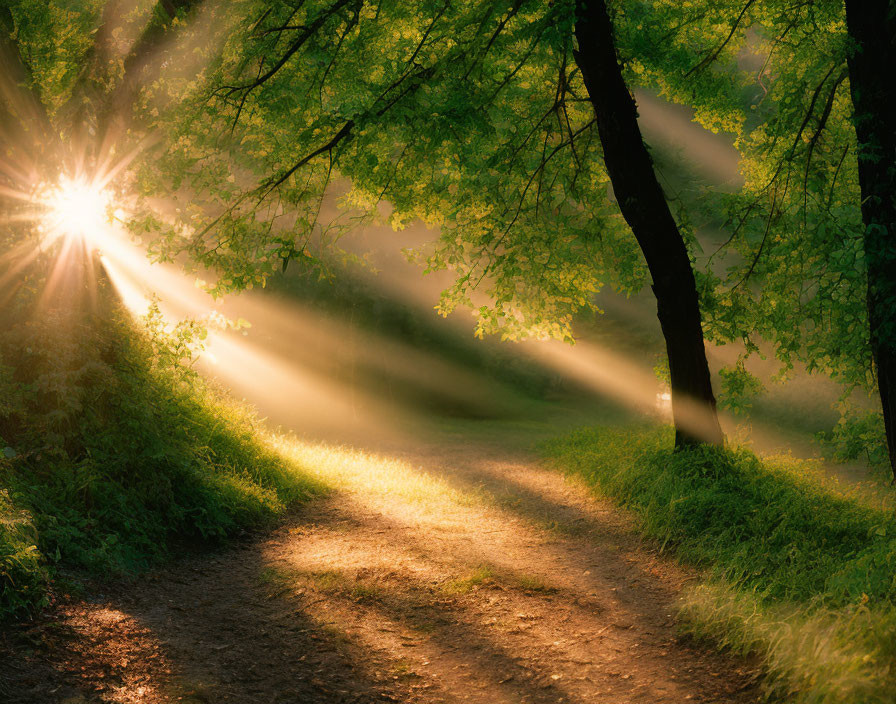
23 578
120 452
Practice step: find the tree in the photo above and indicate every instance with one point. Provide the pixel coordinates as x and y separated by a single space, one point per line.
470 116
478 117
812 222
644 206
872 26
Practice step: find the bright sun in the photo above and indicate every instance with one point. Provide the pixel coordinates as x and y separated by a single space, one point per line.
78 209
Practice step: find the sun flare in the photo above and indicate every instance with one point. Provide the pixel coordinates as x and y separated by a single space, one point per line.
79 209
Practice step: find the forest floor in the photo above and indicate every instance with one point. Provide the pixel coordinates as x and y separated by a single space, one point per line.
484 577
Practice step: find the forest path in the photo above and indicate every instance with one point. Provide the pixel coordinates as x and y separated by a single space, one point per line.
461 571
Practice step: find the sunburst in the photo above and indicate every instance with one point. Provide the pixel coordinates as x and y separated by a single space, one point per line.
77 208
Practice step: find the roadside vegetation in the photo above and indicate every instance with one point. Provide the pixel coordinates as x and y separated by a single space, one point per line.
115 451
798 569
213 134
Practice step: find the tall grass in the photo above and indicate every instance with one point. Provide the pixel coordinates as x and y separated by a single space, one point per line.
115 451
799 570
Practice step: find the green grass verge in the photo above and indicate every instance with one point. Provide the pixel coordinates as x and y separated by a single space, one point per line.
113 453
799 570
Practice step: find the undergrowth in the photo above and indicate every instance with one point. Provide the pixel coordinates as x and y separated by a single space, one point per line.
799 569
113 452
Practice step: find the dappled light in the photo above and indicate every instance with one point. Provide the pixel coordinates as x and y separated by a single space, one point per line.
532 352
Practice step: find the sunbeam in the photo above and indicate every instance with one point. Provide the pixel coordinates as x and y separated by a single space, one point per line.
78 208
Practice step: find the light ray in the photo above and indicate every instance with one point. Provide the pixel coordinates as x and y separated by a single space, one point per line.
78 208
16 194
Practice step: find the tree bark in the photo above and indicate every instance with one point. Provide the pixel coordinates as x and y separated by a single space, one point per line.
644 207
872 65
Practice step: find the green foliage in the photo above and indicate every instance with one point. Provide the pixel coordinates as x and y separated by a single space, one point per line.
468 116
472 117
779 547
23 575
121 452
792 270
739 387
859 435
54 38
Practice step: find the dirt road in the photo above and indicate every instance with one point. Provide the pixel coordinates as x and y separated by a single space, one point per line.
456 572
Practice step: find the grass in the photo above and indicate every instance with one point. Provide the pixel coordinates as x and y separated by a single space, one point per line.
281 581
114 453
117 453
22 572
534 583
376 477
799 570
464 585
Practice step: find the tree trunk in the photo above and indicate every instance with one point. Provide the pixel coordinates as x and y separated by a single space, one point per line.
645 209
872 66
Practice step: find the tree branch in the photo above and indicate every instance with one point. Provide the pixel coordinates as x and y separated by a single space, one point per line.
813 141
344 133
715 54
297 44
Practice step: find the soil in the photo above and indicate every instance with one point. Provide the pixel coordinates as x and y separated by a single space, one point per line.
518 586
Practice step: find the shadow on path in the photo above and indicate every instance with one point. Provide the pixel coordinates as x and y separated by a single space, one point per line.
515 586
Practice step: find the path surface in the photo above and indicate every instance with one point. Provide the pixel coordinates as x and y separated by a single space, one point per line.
452 573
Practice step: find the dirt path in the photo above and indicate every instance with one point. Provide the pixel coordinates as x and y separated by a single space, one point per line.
455 573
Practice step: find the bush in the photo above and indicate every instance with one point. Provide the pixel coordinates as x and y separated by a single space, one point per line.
23 578
859 435
120 452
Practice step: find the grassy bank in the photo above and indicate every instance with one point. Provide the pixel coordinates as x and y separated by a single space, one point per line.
799 570
114 452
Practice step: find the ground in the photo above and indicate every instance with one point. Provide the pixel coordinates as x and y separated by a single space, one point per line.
462 570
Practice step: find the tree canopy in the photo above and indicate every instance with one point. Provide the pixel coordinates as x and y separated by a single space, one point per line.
473 117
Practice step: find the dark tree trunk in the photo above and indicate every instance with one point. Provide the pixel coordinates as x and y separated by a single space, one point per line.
872 76
645 209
